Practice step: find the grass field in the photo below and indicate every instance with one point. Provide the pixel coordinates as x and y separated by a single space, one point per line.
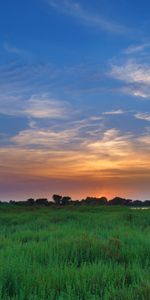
74 253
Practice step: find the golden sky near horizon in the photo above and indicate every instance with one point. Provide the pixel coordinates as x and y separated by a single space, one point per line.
110 164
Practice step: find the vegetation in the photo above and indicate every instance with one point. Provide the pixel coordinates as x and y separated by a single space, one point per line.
66 200
74 252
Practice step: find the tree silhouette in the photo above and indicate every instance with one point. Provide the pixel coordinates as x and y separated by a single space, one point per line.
41 201
30 201
57 199
65 200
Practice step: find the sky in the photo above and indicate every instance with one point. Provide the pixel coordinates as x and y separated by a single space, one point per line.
74 98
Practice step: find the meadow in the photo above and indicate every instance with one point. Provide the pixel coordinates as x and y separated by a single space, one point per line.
73 253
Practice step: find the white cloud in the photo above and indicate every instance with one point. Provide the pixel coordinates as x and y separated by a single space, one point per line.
114 112
96 118
140 91
136 77
143 116
136 49
132 72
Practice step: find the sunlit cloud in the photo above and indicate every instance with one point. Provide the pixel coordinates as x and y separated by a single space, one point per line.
51 139
111 144
145 139
70 133
108 150
108 157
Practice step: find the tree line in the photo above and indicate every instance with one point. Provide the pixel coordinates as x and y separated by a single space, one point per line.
59 200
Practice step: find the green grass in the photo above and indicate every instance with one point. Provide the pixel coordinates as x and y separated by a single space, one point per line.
74 253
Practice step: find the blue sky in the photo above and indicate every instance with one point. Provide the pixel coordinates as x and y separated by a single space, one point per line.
74 98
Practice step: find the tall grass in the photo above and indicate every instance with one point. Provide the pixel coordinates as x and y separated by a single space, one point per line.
76 253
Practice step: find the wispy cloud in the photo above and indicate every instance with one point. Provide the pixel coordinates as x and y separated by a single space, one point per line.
143 116
111 150
134 49
37 106
74 9
132 72
136 77
27 90
44 107
112 144
45 138
114 112
12 49
57 135
137 91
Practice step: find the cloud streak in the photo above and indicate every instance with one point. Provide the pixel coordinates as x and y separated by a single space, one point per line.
114 112
74 9
132 72
109 150
134 49
38 107
143 116
44 107
12 49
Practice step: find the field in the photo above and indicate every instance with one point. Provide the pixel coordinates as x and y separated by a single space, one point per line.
73 253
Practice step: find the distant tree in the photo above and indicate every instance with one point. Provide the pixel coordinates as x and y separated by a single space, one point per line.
89 200
30 201
65 200
95 201
102 201
41 201
118 201
76 202
146 203
57 199
12 202
137 203
20 203
128 202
